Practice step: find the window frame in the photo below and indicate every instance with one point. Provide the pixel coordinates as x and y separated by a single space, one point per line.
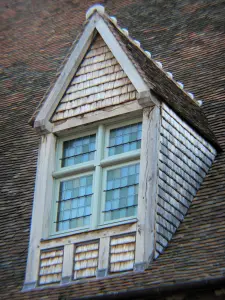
54 215
103 195
96 167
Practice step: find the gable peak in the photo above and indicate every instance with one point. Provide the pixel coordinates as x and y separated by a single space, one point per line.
97 7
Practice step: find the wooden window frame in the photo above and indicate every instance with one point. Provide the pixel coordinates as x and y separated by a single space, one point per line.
98 168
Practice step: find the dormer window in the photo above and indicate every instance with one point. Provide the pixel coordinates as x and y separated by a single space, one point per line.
117 168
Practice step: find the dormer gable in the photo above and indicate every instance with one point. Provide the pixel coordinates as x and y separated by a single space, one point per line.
112 95
98 83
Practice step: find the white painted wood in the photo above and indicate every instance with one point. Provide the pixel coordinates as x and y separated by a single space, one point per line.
147 198
103 253
98 176
88 235
73 170
68 261
43 179
101 115
120 158
96 7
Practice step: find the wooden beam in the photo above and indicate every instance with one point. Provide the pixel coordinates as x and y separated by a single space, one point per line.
67 263
148 188
43 175
128 109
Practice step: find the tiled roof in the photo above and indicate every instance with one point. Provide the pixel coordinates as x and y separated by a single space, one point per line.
188 37
166 88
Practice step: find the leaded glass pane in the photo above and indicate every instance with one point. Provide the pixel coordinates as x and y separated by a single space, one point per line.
78 151
122 192
75 198
125 139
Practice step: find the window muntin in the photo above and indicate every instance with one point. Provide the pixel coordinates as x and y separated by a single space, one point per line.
74 205
78 150
75 211
121 197
125 139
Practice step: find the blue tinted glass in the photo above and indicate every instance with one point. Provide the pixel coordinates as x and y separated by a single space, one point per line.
78 150
125 139
122 192
74 208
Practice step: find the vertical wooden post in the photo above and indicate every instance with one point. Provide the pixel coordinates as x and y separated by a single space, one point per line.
103 260
97 179
44 170
67 272
148 185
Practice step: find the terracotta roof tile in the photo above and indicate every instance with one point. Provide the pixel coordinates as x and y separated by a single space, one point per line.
189 39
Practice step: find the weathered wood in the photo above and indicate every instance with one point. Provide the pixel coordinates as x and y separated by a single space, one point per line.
176 194
86 260
167 155
147 197
178 153
91 93
185 126
121 57
87 236
100 115
122 259
184 160
104 254
41 209
67 262
188 141
50 270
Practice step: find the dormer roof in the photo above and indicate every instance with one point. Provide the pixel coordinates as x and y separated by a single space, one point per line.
146 75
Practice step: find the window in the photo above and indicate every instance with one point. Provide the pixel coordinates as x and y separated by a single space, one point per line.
97 177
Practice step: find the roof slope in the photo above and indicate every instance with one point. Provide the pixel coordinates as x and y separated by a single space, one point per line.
182 104
189 39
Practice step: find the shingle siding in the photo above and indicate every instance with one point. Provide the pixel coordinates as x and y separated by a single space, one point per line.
99 82
184 160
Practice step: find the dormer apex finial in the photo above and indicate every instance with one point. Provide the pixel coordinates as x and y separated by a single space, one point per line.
97 7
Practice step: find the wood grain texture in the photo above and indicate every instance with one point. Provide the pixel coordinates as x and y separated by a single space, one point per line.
50 270
86 260
99 82
184 160
122 252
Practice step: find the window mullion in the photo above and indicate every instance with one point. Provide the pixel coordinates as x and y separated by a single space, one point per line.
96 204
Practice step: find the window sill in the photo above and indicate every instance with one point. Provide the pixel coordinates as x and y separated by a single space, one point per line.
86 230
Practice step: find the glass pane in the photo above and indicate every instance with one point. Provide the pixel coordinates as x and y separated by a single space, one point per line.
125 139
121 192
75 198
78 150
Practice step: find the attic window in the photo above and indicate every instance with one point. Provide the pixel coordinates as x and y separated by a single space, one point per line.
112 184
